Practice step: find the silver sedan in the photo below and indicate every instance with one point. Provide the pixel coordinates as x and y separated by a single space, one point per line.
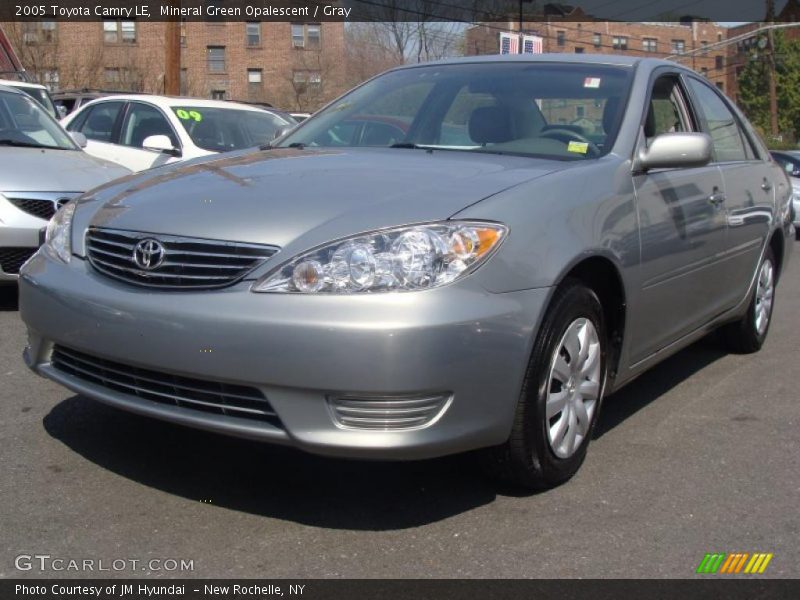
453 256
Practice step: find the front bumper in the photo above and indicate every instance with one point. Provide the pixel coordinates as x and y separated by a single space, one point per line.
299 351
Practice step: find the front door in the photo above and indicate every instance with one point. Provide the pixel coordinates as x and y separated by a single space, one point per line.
682 233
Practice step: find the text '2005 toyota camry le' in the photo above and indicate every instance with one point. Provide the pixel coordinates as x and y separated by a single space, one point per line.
453 256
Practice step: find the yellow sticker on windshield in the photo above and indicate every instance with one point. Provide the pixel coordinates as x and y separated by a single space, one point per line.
580 147
189 114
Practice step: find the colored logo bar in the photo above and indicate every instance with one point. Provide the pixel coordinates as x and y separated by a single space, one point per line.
736 562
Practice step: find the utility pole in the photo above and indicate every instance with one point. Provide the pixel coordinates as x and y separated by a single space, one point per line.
172 56
773 91
521 33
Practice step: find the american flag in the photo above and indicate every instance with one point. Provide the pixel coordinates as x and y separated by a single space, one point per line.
531 44
509 43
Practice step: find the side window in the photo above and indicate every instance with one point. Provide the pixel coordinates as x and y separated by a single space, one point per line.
722 126
98 123
667 112
143 121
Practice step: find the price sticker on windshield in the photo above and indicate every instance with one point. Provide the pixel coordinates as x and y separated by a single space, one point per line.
187 115
579 147
591 82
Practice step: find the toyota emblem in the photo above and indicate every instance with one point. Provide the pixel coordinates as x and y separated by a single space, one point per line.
148 254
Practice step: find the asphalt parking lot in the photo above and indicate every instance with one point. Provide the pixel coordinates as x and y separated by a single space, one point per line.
699 455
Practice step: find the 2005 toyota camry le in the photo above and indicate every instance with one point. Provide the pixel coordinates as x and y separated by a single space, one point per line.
453 256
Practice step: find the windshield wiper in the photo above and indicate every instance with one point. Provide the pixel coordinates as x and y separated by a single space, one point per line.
18 144
409 145
298 145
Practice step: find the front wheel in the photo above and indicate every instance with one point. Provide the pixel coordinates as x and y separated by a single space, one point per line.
561 395
748 334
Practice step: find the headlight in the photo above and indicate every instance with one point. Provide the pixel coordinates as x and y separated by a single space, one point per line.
59 231
419 257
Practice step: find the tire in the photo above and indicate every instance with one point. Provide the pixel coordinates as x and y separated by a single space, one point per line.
532 458
747 335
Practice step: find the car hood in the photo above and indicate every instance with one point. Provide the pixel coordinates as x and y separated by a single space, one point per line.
278 196
43 170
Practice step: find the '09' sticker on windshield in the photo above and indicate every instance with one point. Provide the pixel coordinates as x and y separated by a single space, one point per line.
189 114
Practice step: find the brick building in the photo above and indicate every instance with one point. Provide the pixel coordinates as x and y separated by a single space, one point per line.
291 65
578 33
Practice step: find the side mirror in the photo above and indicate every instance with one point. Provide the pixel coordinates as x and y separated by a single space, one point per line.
676 150
160 143
79 138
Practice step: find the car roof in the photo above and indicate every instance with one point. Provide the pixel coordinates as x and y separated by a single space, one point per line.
570 58
9 89
20 84
170 101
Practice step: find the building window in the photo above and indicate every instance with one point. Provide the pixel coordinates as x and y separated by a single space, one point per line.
678 46
313 35
303 78
216 59
253 33
184 83
115 32
720 86
580 112
597 38
307 36
718 62
650 45
254 76
619 42
704 71
560 38
183 33
578 49
218 94
42 32
50 79
112 76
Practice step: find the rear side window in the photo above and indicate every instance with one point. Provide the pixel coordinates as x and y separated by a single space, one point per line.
98 124
722 126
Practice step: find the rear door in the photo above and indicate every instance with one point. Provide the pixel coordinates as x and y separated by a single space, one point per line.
682 229
750 184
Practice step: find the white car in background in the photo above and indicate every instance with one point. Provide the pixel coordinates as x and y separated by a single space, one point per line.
140 131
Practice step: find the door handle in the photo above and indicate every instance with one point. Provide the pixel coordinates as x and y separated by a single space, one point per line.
716 198
766 186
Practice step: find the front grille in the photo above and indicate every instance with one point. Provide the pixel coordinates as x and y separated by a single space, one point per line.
194 394
188 263
11 259
39 207
388 413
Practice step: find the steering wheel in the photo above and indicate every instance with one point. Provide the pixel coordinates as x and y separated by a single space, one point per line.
567 136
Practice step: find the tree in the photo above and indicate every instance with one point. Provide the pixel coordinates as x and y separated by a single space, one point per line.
754 87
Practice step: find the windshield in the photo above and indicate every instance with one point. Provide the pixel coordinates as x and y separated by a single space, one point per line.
225 129
553 110
42 97
23 122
